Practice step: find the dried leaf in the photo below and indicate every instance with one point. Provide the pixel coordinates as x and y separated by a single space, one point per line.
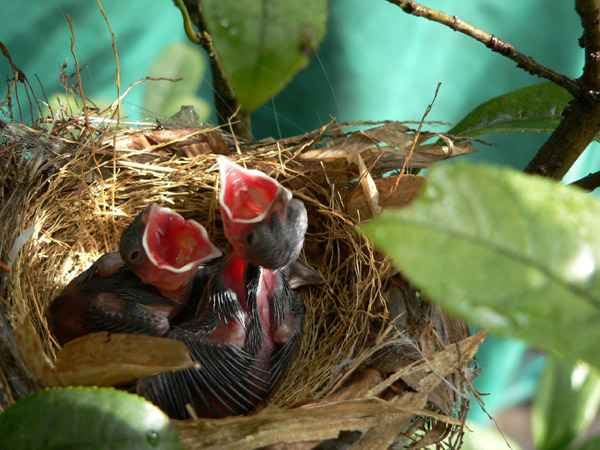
394 134
423 374
386 147
429 374
108 359
31 349
384 433
183 142
431 437
422 156
368 379
313 422
442 396
394 192
426 375
371 194
304 445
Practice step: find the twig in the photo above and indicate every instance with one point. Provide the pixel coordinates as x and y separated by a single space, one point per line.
589 12
580 124
226 103
492 42
19 75
148 167
45 97
81 92
417 133
117 112
192 34
589 182
118 69
135 83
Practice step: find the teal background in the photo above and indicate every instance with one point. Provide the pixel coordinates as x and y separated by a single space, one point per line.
376 63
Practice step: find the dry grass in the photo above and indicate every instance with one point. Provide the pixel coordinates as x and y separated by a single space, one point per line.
79 192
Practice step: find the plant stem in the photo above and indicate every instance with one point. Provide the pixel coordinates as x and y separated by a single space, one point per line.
492 42
581 120
589 182
226 104
582 117
568 141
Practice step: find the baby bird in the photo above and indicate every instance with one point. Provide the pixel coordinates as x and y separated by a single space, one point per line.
249 320
141 291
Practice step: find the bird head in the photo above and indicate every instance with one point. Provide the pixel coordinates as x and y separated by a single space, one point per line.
262 221
164 249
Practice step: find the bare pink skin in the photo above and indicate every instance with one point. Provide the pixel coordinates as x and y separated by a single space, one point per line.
267 284
286 329
232 332
110 264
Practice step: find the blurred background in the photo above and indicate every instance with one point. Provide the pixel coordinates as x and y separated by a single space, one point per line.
376 63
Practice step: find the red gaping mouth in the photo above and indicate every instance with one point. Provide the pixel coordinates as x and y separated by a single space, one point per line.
247 196
176 244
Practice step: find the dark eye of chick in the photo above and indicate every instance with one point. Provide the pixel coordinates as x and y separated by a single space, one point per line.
134 255
250 238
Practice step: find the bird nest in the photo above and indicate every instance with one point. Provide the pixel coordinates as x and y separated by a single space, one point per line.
375 364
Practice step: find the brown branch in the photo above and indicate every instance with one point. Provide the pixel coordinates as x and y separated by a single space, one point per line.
568 141
581 122
226 103
589 11
589 182
492 42
78 72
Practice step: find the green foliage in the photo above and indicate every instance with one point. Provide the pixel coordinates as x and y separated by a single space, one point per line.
262 44
515 253
165 98
565 404
592 443
85 418
68 106
534 108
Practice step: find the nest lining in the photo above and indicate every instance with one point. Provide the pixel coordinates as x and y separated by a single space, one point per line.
79 196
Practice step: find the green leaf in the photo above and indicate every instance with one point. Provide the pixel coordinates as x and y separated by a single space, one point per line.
262 44
64 106
535 108
565 404
85 418
177 61
592 443
515 253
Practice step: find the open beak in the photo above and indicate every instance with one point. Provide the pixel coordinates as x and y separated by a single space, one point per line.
173 247
248 198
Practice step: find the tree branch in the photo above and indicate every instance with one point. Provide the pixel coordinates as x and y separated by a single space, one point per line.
492 42
226 103
582 117
581 120
589 182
